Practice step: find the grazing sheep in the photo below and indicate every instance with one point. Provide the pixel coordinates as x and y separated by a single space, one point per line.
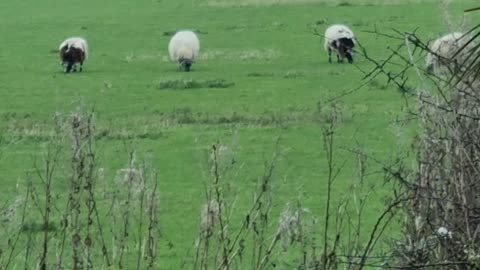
72 51
445 54
183 48
340 39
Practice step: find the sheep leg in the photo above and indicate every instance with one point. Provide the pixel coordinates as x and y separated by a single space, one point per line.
81 66
329 55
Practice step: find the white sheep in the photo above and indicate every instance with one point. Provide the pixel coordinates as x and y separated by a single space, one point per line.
72 51
447 53
340 39
183 48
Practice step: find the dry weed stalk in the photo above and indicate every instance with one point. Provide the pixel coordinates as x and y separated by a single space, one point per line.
80 242
295 236
216 222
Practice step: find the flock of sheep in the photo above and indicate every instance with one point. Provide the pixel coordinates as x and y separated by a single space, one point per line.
184 48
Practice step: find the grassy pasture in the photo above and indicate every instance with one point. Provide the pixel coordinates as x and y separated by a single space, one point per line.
260 76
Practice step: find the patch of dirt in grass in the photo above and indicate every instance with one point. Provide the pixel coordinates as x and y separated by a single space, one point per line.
132 57
158 124
344 3
285 75
192 84
243 55
171 33
212 54
226 3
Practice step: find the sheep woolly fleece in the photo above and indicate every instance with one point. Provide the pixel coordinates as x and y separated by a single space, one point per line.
447 47
336 32
76 42
444 46
184 45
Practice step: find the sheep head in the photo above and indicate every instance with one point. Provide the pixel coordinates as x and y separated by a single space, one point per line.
186 64
345 48
430 69
71 55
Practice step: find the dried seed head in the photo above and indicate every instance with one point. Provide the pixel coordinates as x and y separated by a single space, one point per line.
289 227
132 178
10 212
209 215
444 232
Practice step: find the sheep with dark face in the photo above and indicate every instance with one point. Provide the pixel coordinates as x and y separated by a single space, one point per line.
184 48
340 39
72 51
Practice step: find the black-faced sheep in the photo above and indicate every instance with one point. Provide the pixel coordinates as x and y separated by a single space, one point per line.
183 48
340 39
72 51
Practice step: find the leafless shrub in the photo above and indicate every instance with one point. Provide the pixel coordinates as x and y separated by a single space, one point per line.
442 221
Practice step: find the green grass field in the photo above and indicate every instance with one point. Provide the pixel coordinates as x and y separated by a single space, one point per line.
278 73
